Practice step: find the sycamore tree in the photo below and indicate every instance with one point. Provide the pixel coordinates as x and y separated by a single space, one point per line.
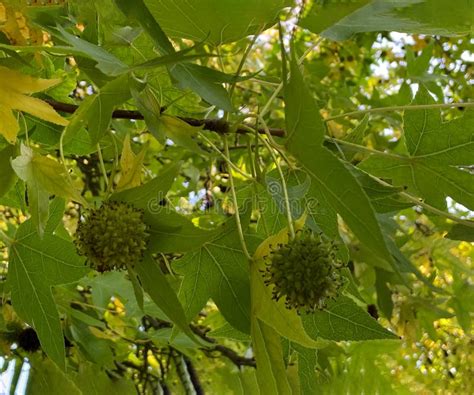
236 197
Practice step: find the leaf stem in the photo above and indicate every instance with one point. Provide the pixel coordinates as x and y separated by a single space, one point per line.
242 62
289 216
400 108
266 129
274 95
259 118
362 148
115 165
102 165
236 205
61 154
286 197
427 206
225 157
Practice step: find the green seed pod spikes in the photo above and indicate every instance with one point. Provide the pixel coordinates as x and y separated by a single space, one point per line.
305 272
112 236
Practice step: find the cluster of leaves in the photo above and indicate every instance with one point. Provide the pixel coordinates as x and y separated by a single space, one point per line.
221 129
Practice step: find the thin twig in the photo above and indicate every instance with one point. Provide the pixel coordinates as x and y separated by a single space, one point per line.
227 159
284 187
400 108
193 375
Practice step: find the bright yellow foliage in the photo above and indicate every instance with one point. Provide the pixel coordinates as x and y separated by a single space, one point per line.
131 166
14 90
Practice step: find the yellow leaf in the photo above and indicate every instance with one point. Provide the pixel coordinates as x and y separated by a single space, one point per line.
100 334
131 166
14 88
50 174
8 124
180 132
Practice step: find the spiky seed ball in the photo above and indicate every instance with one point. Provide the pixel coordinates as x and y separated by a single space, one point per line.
305 272
112 236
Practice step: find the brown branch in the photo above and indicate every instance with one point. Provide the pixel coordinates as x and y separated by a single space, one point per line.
193 375
225 351
214 125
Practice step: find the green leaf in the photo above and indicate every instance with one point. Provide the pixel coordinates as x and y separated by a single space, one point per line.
104 286
218 270
461 232
154 282
35 266
200 79
417 66
171 232
355 136
111 65
325 15
96 110
437 151
15 197
168 60
363 370
307 363
149 106
106 62
304 124
344 320
400 263
335 183
149 195
45 376
436 17
384 294
384 199
463 301
271 372
139 12
56 211
97 350
227 331
217 21
180 132
7 175
92 380
43 176
191 76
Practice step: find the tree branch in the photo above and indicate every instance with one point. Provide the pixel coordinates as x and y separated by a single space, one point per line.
238 360
193 375
214 125
225 351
